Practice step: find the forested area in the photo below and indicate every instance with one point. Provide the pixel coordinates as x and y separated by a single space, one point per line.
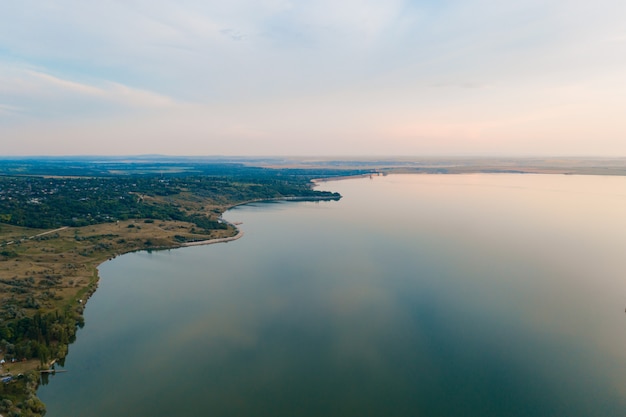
50 202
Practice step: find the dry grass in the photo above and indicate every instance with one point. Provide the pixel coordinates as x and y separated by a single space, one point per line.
58 269
21 367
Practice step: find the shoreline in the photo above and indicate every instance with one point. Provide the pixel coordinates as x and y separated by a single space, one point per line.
90 289
294 198
347 177
68 260
238 235
212 241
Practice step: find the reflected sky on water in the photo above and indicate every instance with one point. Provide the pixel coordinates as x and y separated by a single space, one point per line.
415 295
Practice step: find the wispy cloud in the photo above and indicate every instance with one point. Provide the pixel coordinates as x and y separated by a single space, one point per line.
108 90
33 91
6 109
65 84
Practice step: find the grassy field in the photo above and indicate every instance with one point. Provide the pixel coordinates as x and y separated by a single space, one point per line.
51 271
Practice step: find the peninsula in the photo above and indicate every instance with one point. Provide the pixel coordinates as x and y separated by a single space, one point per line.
60 219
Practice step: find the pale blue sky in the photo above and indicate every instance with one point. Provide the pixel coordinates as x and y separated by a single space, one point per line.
275 77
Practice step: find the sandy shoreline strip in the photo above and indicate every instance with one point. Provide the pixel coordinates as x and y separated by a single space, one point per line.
211 241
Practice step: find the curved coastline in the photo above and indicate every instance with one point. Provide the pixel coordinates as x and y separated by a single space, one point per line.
212 241
234 225
239 234
91 289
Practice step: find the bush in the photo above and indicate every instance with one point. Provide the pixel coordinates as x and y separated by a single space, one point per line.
5 405
8 254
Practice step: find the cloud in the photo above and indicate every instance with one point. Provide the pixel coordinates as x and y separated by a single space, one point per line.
35 91
299 77
65 84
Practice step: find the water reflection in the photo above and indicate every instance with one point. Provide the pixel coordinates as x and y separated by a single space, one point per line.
470 295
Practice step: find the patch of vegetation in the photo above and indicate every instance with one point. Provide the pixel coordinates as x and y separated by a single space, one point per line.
8 254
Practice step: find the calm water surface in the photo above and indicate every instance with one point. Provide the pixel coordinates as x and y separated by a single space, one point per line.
468 295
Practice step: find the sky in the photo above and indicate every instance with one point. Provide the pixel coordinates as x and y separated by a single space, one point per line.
313 77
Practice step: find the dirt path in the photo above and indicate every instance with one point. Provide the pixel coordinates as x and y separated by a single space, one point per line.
34 236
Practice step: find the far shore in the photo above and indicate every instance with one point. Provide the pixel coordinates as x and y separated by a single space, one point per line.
346 177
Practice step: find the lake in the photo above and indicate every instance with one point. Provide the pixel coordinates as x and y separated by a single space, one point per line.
414 295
